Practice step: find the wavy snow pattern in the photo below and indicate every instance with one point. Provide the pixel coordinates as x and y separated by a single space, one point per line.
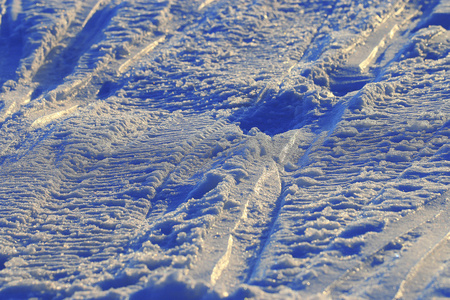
212 149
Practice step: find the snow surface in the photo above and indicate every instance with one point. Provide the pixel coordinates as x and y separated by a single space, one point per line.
186 149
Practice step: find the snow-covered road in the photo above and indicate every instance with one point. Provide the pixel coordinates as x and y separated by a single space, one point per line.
268 149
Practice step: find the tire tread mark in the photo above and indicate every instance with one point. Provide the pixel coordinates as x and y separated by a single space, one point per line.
432 229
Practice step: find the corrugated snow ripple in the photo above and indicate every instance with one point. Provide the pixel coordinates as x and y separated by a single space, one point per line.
224 149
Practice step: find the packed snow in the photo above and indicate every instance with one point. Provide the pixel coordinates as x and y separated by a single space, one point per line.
212 149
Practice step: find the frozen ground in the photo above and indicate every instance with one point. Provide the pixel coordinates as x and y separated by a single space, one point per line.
201 150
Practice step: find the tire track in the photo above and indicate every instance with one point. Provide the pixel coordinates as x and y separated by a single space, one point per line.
247 236
381 38
322 241
10 44
72 56
126 65
236 240
409 239
204 4
44 32
406 249
186 168
133 194
233 241
42 121
269 87
422 273
36 44
90 189
82 33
